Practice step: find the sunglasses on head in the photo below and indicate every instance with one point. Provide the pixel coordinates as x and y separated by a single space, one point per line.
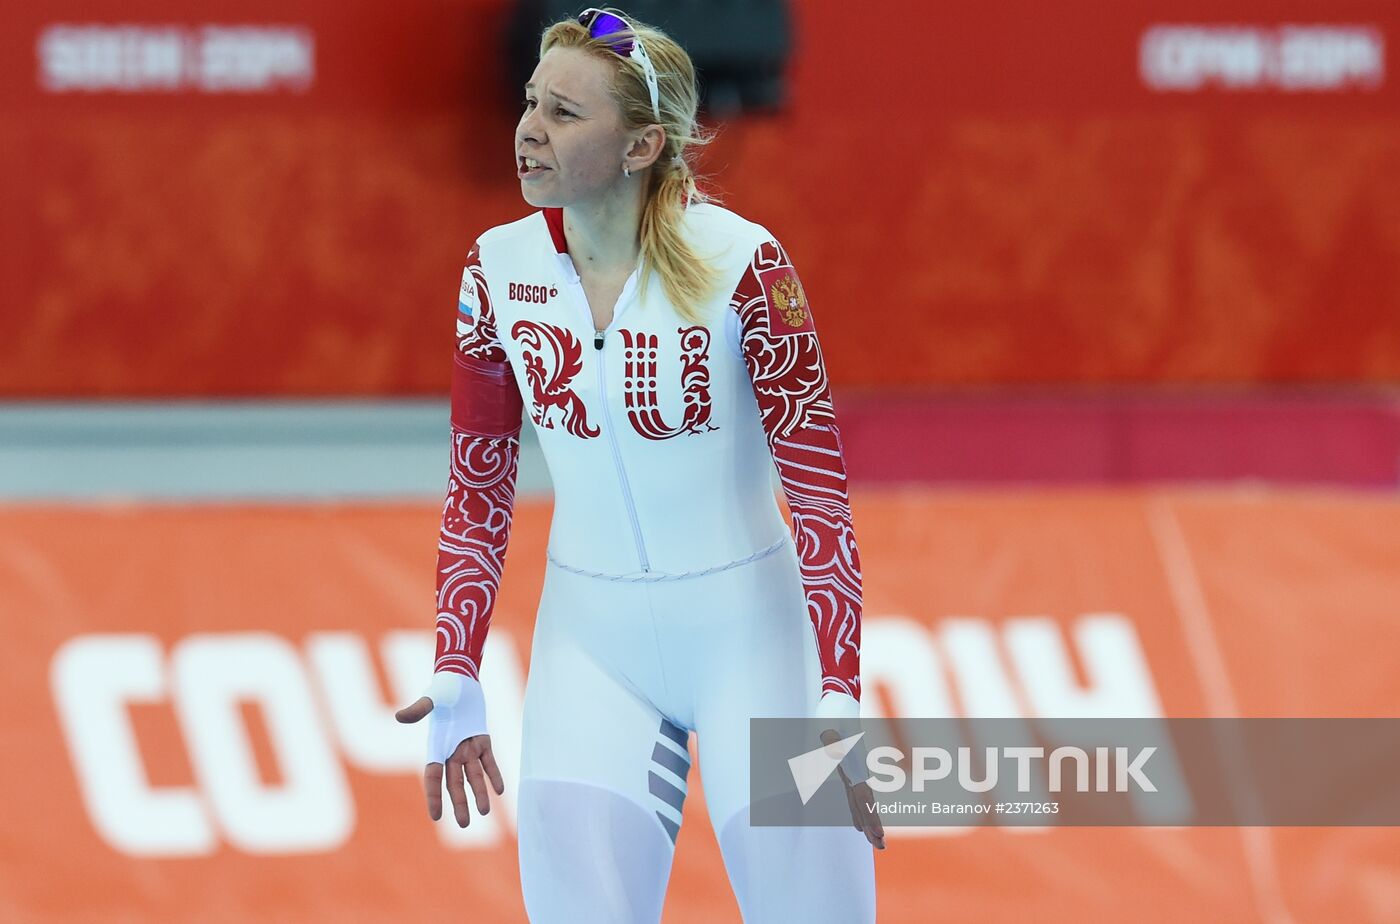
601 24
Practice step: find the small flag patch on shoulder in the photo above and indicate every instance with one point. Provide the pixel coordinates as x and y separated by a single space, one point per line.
468 304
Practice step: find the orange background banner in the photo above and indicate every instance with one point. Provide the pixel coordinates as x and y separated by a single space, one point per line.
199 701
984 194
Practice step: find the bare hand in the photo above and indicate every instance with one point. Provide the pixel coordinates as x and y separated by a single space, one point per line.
472 758
861 799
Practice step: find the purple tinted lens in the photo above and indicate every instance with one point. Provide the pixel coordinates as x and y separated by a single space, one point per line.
604 24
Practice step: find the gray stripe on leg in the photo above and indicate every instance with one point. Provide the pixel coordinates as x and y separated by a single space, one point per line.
671 827
664 790
670 760
674 732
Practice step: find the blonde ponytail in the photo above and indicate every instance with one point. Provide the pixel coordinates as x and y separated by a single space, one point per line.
686 277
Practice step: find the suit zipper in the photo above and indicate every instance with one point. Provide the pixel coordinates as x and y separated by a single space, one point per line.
598 337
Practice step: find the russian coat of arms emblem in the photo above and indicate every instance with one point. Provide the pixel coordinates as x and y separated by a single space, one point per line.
787 296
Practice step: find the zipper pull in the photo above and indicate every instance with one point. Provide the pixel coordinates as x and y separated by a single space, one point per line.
597 340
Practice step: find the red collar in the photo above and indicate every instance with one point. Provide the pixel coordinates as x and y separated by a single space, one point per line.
554 217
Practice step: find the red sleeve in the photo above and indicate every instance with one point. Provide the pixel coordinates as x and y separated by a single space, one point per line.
476 515
794 401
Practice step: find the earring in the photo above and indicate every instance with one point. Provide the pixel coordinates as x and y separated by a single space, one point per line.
625 171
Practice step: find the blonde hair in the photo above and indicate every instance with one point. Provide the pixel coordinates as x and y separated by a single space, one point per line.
686 277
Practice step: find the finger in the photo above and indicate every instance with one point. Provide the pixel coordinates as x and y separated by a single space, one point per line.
478 781
410 714
488 760
458 792
432 786
866 820
874 829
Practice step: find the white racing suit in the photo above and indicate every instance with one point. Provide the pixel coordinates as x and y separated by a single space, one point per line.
676 599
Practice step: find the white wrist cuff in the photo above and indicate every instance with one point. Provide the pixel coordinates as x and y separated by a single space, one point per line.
459 713
835 705
842 713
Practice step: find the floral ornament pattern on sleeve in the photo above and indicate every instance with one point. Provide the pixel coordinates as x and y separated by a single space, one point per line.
781 350
477 511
